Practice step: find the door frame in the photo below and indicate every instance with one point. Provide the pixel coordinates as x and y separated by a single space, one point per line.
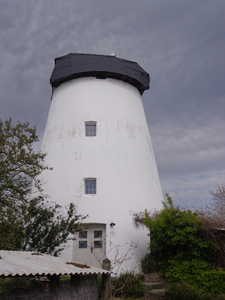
90 255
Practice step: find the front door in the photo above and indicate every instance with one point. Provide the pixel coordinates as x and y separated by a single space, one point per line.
90 245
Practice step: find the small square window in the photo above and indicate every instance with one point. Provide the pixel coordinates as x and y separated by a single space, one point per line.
82 244
97 244
90 128
98 234
83 234
90 186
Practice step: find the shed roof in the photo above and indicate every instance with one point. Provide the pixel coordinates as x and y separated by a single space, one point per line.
19 263
75 65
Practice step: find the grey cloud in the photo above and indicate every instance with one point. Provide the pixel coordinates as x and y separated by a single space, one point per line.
180 43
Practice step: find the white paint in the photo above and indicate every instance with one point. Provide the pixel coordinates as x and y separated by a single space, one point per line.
120 157
92 255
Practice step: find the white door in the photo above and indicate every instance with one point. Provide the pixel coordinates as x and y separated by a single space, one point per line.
90 245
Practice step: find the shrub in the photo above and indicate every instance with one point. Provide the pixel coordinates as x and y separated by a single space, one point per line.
198 274
185 271
183 291
179 235
129 285
178 291
212 281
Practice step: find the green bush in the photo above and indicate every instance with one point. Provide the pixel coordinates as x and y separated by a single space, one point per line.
183 291
212 281
198 274
185 271
129 285
179 235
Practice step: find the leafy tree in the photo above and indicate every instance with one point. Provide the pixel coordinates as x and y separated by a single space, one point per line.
28 222
19 164
178 235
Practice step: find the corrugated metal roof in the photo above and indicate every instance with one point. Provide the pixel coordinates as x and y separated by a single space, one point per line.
74 65
18 263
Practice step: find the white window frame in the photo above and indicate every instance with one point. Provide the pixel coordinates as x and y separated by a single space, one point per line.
92 188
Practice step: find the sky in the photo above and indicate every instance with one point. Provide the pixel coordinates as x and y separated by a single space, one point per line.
181 44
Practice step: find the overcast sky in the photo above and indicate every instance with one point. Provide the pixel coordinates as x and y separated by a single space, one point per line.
180 43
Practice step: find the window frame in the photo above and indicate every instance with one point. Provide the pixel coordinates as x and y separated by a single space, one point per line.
90 128
92 188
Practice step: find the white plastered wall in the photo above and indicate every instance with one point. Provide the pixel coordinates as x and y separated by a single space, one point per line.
120 157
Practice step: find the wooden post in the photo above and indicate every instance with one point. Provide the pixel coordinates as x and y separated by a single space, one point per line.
105 286
106 265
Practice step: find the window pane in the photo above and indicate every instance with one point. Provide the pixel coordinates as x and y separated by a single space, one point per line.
90 186
97 244
90 130
98 234
83 234
83 244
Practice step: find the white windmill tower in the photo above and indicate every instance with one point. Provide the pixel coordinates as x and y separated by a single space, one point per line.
98 143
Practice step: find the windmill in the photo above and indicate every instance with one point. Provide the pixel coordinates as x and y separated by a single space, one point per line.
98 143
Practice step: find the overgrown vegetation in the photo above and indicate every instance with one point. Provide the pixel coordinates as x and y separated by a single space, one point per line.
179 235
129 285
27 220
188 247
184 291
198 274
